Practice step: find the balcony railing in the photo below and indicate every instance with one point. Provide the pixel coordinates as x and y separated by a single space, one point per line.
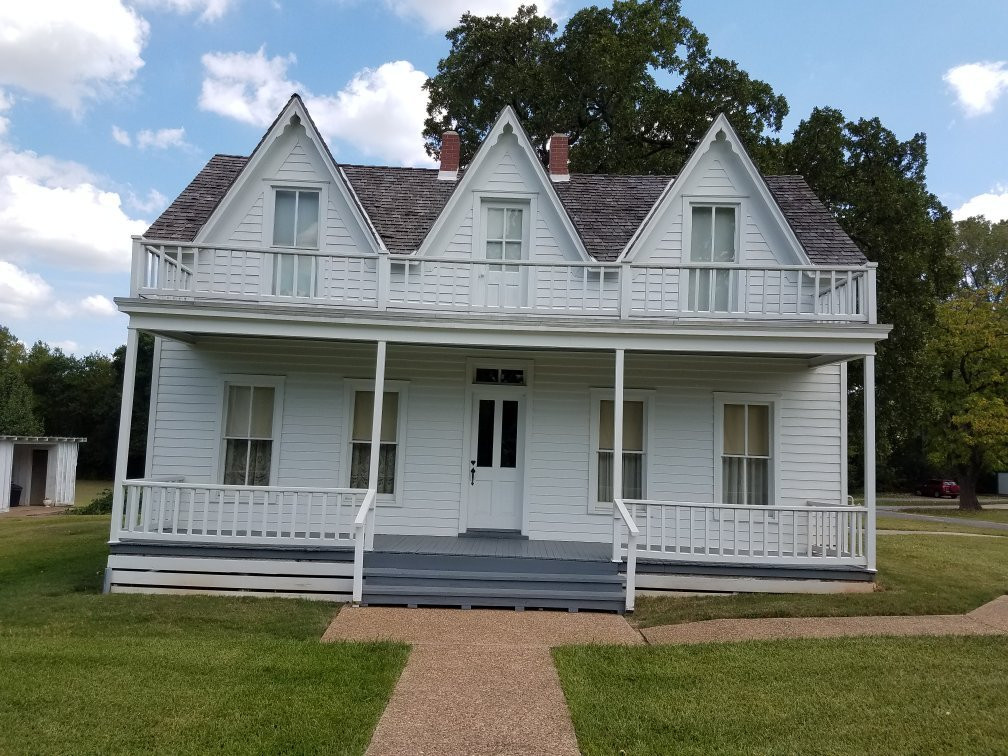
688 291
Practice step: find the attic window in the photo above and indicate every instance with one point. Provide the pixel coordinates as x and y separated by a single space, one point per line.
713 242
296 218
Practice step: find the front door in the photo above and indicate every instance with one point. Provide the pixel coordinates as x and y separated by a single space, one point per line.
495 462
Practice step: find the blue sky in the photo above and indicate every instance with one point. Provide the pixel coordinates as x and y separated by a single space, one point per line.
109 107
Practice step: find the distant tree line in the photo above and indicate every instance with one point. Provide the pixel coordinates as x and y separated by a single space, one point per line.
46 392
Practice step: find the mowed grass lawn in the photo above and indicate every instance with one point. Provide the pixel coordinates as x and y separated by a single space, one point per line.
925 574
847 696
86 673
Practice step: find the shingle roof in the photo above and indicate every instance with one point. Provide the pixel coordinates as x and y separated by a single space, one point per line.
606 209
192 208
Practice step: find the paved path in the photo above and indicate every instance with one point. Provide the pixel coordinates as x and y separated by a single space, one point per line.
477 681
989 619
938 533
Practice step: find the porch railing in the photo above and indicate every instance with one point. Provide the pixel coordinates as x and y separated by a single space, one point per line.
363 534
205 513
815 534
175 270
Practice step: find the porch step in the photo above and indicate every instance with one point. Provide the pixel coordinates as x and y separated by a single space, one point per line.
473 581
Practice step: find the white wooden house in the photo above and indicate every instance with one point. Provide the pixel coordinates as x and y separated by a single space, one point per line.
504 385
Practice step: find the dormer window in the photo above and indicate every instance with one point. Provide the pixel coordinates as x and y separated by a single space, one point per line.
504 233
713 240
296 218
295 225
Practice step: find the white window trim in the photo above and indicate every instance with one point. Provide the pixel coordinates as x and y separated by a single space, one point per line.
269 209
276 382
596 395
774 402
350 387
695 200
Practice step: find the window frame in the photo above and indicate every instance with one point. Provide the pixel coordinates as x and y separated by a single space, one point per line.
350 388
773 477
736 203
596 395
275 382
484 202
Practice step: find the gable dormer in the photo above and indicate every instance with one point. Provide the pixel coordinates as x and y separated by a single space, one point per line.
291 196
505 206
717 210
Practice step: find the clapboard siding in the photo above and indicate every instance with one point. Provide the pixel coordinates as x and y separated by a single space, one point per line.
680 457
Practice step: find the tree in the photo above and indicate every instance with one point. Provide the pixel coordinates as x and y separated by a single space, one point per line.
601 81
982 250
16 415
968 428
874 183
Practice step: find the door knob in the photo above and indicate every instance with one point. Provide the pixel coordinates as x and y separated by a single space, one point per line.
472 472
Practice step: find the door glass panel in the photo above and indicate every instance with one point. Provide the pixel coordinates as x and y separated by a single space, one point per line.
509 434
305 279
514 224
700 238
724 234
485 434
307 219
494 250
283 219
495 223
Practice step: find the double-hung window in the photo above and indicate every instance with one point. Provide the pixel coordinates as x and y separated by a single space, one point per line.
633 450
746 453
295 225
360 441
713 239
248 434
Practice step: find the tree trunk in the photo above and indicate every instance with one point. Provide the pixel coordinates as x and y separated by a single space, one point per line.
967 485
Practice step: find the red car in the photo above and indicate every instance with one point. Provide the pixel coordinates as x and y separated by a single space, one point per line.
938 488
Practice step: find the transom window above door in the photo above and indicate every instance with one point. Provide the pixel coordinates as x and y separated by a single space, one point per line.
505 233
296 218
499 376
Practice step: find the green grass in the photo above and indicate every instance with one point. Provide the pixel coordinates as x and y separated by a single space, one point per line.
846 696
86 673
898 523
88 489
990 515
917 575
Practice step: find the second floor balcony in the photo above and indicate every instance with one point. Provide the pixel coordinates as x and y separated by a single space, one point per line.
620 290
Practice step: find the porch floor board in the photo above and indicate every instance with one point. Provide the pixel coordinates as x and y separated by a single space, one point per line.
482 546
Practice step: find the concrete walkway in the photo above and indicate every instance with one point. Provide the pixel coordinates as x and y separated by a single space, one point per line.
478 681
483 682
989 619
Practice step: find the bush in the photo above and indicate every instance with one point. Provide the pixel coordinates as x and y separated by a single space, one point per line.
100 504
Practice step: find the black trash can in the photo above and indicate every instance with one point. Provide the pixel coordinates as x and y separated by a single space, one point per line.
15 495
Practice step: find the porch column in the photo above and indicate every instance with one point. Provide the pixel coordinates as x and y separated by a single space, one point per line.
869 457
617 464
376 424
125 421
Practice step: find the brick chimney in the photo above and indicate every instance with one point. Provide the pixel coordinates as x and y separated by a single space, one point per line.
558 149
450 149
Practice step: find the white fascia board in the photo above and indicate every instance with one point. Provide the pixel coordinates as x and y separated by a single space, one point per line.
802 341
294 106
507 116
662 205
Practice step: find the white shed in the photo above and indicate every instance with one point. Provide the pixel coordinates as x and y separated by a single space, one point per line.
45 467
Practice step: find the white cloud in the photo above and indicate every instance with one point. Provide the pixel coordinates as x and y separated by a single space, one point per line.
441 15
122 136
993 205
70 51
6 103
155 202
209 10
97 304
161 139
22 294
978 86
53 211
380 111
